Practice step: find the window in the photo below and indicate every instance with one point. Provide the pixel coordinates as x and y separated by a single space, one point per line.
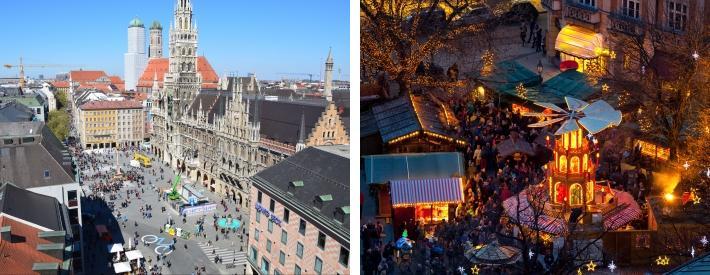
258 195
302 227
282 257
344 255
264 266
258 217
28 139
277 272
318 266
677 15
297 270
253 254
286 214
272 205
46 173
299 250
268 246
271 226
284 236
321 240
7 141
588 2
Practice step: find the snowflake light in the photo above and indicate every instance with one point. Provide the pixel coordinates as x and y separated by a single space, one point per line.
612 266
704 241
686 165
692 252
531 254
462 270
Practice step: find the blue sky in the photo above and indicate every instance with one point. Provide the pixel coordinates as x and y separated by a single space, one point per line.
265 37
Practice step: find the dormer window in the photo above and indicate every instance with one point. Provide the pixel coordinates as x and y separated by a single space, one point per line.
319 200
341 214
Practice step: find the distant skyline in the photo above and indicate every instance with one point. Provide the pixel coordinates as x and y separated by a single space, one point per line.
264 37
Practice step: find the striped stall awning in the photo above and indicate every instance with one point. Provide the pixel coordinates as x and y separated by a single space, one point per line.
426 191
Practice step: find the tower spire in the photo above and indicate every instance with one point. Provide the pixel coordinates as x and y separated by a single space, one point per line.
301 133
327 91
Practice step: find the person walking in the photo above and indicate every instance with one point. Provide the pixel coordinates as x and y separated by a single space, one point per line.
533 27
538 40
523 33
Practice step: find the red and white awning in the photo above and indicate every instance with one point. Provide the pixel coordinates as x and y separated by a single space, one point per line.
426 191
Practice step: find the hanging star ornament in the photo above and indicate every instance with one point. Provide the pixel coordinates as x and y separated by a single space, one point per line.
686 165
591 266
531 254
662 260
696 199
704 241
579 271
612 266
462 270
475 270
605 88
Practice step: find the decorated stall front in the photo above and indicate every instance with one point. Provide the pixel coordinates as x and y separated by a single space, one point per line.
427 201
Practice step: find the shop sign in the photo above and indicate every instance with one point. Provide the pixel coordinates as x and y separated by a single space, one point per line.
196 210
268 214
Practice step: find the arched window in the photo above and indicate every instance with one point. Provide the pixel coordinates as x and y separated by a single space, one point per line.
183 51
562 164
573 143
590 191
584 162
560 192
575 192
574 165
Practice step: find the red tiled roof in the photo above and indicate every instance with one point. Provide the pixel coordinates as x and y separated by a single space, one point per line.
18 257
61 84
138 96
111 105
101 87
160 66
116 79
86 76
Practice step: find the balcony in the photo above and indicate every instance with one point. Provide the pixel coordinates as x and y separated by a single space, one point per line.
620 21
582 12
553 5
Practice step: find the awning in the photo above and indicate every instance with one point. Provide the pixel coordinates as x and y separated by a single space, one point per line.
579 42
134 255
426 191
122 267
113 248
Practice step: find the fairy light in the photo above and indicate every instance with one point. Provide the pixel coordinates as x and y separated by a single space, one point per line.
521 91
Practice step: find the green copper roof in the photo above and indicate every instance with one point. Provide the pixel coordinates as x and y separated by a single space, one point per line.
156 26
135 23
327 197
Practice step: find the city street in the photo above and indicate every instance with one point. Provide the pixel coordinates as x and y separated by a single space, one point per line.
125 223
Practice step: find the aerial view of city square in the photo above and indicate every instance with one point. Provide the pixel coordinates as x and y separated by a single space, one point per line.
534 137
135 141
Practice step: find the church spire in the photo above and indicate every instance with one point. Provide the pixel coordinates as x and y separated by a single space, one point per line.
301 133
327 91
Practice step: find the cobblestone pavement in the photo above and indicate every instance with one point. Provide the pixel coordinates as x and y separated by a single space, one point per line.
187 253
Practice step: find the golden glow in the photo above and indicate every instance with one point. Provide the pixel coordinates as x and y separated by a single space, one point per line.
563 164
580 42
590 191
475 270
590 266
653 150
666 181
584 162
573 143
663 260
575 192
668 197
481 91
574 165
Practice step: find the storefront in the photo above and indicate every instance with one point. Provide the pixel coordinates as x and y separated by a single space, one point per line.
427 201
583 46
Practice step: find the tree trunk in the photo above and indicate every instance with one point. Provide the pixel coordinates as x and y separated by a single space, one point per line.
405 85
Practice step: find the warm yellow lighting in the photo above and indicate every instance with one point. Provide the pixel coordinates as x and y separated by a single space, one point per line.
591 265
663 260
668 197
481 91
475 270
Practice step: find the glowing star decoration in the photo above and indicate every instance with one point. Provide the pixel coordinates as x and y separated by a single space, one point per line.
591 266
462 270
531 254
696 199
696 55
612 55
704 241
605 88
612 267
663 260
579 271
686 165
475 270
521 91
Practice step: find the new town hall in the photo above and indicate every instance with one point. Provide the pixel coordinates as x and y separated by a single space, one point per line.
213 135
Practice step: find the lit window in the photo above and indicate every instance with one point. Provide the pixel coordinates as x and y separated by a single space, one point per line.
563 164
575 194
574 165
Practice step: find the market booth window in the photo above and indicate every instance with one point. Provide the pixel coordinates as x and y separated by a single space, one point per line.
581 45
432 200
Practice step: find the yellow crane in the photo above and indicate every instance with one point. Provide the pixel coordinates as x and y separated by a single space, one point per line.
22 69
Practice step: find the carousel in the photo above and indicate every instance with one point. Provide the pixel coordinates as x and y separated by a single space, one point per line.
570 195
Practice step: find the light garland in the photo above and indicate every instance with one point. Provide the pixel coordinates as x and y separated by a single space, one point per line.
521 91
663 260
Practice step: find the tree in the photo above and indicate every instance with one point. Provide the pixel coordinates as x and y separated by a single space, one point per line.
398 37
58 122
61 99
661 80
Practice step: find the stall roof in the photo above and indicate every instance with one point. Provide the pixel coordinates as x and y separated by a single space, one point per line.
569 83
411 113
506 75
579 41
380 169
426 191
134 254
122 267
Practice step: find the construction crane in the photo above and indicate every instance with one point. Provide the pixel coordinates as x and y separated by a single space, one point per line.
22 67
310 76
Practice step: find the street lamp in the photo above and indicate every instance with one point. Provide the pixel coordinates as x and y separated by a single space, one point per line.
539 69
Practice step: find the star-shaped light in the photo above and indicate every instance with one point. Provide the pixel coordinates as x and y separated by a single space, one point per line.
475 270
612 55
696 199
662 260
704 240
605 88
686 165
579 271
462 270
696 55
531 254
612 266
591 266
692 252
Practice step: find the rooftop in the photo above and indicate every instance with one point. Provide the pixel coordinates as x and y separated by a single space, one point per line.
160 66
32 207
323 173
111 105
86 76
